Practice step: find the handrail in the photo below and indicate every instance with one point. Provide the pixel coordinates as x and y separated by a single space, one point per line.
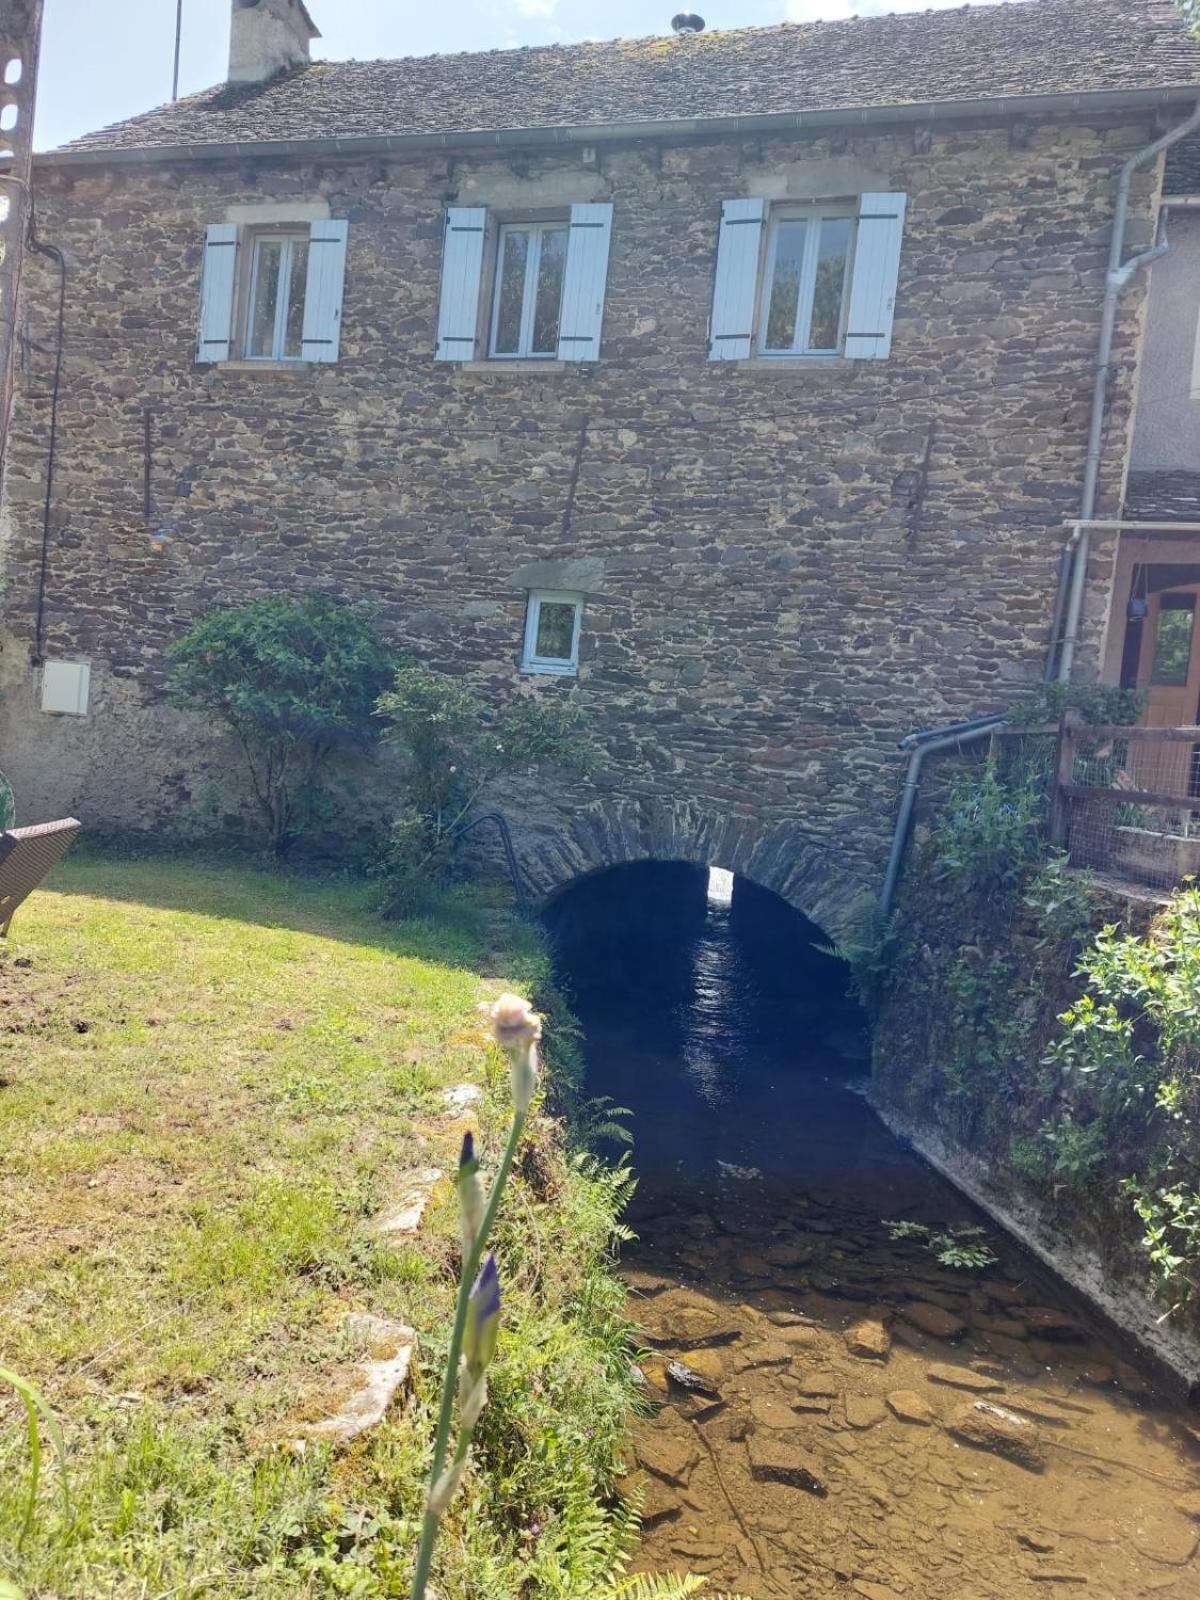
510 855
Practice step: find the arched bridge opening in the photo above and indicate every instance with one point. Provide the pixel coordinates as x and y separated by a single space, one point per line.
717 1015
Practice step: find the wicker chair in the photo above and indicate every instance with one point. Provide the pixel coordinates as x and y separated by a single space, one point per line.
26 856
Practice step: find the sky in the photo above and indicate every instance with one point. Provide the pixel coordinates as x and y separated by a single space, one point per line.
103 60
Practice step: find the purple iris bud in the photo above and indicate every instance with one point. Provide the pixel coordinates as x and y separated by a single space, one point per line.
467 1161
483 1317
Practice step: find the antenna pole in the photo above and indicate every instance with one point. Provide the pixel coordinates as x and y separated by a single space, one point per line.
178 41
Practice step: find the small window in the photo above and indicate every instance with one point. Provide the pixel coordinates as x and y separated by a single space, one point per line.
1173 640
552 623
531 264
804 285
66 687
275 303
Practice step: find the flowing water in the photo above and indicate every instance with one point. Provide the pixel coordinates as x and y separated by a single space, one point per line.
833 1411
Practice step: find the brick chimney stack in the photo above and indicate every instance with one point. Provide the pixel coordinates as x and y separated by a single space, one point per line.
269 37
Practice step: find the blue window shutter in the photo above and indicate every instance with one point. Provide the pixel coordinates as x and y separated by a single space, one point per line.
323 296
735 285
216 291
874 276
584 282
462 269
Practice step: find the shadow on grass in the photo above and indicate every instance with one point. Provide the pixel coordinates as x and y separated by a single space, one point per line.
475 927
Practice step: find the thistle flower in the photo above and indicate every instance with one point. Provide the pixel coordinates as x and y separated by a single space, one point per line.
483 1318
517 1029
471 1198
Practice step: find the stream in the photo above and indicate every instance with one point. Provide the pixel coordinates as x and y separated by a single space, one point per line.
831 1409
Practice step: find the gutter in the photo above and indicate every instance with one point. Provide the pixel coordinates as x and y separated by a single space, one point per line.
593 133
1120 271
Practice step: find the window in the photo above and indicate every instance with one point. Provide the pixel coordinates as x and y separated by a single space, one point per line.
804 284
275 302
531 265
552 623
1173 641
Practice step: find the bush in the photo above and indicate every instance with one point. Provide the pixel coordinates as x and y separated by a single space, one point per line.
296 682
455 748
989 833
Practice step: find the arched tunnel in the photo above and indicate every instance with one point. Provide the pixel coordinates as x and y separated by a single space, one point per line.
718 1016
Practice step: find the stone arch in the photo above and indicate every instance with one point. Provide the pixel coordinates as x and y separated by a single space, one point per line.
611 833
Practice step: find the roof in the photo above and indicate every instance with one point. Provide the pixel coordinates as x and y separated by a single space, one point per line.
1183 167
1120 49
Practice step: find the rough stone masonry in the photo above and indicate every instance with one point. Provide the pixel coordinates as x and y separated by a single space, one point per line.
786 566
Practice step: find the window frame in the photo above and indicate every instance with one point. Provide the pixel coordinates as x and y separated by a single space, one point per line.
817 212
537 229
288 239
554 666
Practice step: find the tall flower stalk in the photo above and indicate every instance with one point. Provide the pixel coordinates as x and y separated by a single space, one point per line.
517 1030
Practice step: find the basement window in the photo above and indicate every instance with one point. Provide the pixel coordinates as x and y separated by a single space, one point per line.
278 284
552 624
531 267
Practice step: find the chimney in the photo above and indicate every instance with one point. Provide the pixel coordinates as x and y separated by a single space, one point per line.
268 37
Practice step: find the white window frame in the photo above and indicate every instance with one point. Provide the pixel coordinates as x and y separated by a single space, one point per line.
559 666
287 257
533 264
812 214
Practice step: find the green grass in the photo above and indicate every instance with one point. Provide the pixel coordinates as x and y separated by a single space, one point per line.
211 1078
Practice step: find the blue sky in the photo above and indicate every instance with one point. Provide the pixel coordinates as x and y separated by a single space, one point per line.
103 60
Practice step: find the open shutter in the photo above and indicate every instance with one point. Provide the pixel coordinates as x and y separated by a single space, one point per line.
738 248
323 296
216 291
462 267
873 282
584 282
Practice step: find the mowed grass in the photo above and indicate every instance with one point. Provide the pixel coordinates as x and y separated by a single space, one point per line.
211 1079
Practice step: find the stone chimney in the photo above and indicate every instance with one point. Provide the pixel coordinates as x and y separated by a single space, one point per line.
268 37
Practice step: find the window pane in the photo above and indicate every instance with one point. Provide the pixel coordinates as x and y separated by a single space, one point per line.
266 296
551 268
514 253
555 630
832 253
1173 640
785 285
293 334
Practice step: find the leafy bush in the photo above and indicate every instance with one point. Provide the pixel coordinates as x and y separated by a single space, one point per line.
455 748
989 832
295 681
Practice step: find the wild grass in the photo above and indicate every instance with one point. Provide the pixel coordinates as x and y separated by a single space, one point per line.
211 1078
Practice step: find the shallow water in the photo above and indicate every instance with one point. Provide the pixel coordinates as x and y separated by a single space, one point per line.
847 1372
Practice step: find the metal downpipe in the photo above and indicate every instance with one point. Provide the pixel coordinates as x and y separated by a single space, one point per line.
921 745
1118 275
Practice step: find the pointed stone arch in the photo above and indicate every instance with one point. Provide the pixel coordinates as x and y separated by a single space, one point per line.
610 833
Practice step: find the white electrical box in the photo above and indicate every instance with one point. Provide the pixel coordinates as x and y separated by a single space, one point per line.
66 686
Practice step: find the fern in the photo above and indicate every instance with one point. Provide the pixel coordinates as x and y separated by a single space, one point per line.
655 1586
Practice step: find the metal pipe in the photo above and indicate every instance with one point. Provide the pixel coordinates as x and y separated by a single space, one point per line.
1118 275
924 744
500 823
1060 600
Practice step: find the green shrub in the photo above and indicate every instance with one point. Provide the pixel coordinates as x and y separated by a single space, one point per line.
296 682
455 748
989 832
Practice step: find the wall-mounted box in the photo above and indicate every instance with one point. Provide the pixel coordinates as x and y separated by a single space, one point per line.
66 687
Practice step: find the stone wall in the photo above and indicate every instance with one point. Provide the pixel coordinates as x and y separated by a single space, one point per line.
772 598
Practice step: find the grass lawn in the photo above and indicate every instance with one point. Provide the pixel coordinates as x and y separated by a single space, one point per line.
211 1079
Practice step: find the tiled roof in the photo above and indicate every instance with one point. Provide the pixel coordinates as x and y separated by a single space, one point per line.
986 52
1183 167
1163 497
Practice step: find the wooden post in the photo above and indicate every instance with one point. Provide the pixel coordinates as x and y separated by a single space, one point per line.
1064 771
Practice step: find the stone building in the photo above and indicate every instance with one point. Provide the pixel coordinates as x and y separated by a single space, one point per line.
736 384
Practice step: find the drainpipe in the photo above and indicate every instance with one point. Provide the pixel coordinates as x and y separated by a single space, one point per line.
1118 275
922 744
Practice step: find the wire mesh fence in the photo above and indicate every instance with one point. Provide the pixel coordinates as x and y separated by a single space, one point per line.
1125 802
